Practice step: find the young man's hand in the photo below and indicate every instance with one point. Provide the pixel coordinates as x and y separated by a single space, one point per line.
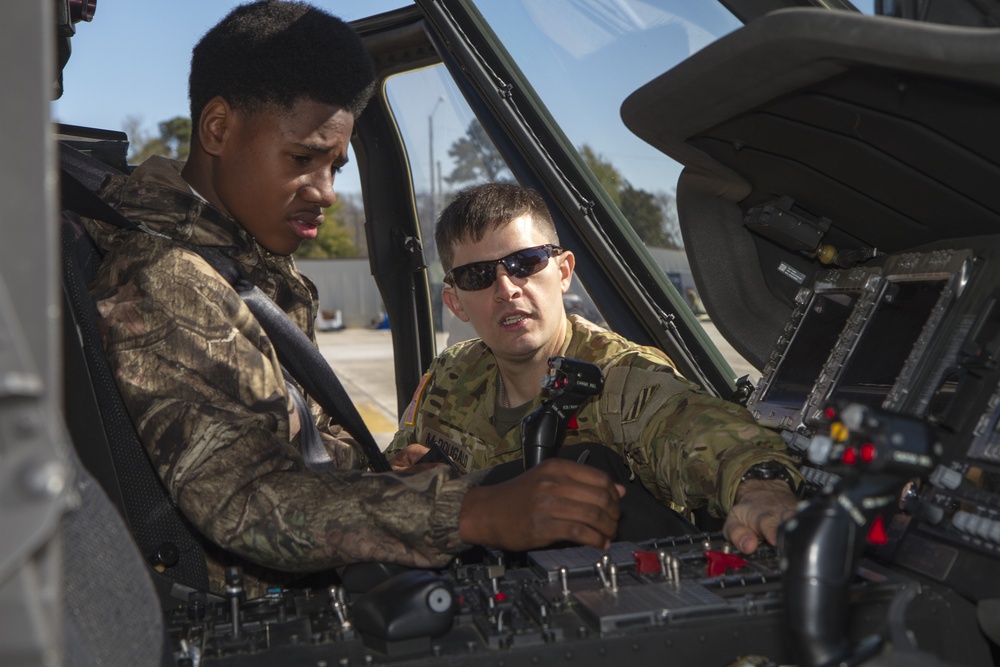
407 457
761 506
554 501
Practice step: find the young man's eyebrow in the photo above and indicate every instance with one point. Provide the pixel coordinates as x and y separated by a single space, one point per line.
325 150
315 148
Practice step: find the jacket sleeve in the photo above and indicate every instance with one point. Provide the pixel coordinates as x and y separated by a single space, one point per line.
688 448
204 387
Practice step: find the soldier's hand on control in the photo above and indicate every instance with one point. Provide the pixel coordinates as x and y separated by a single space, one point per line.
761 506
553 501
407 457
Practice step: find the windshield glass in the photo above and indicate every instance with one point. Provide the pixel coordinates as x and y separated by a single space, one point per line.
583 58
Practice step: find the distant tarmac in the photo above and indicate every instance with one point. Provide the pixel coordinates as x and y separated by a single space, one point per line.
363 361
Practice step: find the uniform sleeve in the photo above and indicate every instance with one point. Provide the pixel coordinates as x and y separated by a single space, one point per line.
409 421
688 448
203 386
406 435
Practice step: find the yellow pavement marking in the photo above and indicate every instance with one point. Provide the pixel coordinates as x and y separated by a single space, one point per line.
375 419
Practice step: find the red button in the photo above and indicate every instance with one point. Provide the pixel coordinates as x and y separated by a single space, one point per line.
646 562
720 563
876 534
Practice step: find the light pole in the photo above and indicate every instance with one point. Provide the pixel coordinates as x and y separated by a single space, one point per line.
430 147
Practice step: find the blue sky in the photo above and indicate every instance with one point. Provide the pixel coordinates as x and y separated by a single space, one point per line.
132 59
131 62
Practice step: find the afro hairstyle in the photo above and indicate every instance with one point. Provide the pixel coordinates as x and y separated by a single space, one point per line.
279 52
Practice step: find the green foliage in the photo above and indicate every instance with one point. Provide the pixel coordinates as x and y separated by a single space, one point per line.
652 216
333 240
606 174
174 140
646 216
477 159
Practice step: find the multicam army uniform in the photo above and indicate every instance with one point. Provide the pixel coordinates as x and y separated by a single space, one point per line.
688 448
204 387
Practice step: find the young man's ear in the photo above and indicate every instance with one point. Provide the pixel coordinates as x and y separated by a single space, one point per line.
454 304
214 125
567 262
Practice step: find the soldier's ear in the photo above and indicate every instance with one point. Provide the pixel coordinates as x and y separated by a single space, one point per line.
567 262
454 303
214 125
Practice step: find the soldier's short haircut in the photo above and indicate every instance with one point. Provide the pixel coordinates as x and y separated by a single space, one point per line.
279 52
480 209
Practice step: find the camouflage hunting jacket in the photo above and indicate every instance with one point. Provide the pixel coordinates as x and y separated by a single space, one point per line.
205 390
688 448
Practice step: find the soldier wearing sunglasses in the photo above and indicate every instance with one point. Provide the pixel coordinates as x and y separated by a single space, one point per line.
506 275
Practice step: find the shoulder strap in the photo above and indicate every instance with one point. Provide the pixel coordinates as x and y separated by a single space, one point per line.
296 352
304 362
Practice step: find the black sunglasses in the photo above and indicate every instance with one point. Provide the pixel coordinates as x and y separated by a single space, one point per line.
520 264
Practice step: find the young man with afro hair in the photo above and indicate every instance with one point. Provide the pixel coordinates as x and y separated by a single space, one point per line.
275 90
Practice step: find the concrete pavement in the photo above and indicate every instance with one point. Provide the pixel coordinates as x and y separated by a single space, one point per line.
363 360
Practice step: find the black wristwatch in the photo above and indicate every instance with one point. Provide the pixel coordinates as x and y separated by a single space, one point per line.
769 470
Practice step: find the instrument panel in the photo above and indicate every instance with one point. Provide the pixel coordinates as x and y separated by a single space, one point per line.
687 600
915 334
913 341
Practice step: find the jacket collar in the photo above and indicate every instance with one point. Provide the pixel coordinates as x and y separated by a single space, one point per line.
158 195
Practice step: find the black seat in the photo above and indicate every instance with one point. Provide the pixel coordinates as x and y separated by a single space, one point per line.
101 429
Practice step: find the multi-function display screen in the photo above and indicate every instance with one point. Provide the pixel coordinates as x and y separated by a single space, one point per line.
816 335
887 340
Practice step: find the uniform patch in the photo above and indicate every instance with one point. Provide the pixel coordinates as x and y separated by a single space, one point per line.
457 453
410 415
641 401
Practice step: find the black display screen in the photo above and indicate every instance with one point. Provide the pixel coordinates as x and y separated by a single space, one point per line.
887 341
814 338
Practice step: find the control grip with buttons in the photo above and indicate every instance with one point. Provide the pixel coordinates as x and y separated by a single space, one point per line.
875 453
570 382
414 604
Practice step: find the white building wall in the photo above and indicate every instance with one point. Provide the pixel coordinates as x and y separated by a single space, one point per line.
347 285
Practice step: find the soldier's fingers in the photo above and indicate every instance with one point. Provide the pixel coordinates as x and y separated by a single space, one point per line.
739 535
771 522
769 528
407 456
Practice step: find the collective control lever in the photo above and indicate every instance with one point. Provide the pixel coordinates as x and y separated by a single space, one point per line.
875 453
570 382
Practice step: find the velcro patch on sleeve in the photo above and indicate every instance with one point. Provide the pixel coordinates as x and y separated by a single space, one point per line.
641 401
410 415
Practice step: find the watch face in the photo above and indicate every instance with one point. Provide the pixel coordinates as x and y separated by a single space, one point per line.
766 470
771 470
